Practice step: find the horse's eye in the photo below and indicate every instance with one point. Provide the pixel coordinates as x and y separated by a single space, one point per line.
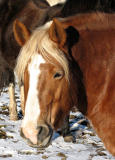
58 75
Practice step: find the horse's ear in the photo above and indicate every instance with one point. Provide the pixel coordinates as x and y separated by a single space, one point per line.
57 33
65 38
21 33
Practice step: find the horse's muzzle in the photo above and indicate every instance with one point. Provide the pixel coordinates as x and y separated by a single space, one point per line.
44 136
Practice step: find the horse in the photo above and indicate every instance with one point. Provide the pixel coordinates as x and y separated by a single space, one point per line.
64 63
32 13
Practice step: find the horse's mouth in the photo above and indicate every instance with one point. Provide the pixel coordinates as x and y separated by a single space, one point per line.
43 138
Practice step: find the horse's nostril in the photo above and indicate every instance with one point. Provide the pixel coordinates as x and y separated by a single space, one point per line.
43 132
44 135
40 129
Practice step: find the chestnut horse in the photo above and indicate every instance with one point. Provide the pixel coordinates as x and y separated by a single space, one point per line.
33 13
65 63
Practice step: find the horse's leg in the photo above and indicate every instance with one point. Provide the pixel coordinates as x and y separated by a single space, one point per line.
12 106
65 130
22 98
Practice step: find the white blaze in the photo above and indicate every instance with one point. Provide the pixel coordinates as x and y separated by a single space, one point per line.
32 108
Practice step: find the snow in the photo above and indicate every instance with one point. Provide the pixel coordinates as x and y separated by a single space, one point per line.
13 147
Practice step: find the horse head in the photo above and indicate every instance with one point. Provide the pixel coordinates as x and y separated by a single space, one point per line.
50 80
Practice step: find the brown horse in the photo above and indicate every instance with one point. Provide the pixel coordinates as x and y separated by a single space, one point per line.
34 13
66 63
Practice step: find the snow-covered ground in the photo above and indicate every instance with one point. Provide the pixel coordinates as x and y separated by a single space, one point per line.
13 147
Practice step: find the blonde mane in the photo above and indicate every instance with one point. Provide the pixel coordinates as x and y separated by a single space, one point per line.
40 43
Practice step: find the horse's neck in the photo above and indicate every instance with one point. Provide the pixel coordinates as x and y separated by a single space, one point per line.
95 56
